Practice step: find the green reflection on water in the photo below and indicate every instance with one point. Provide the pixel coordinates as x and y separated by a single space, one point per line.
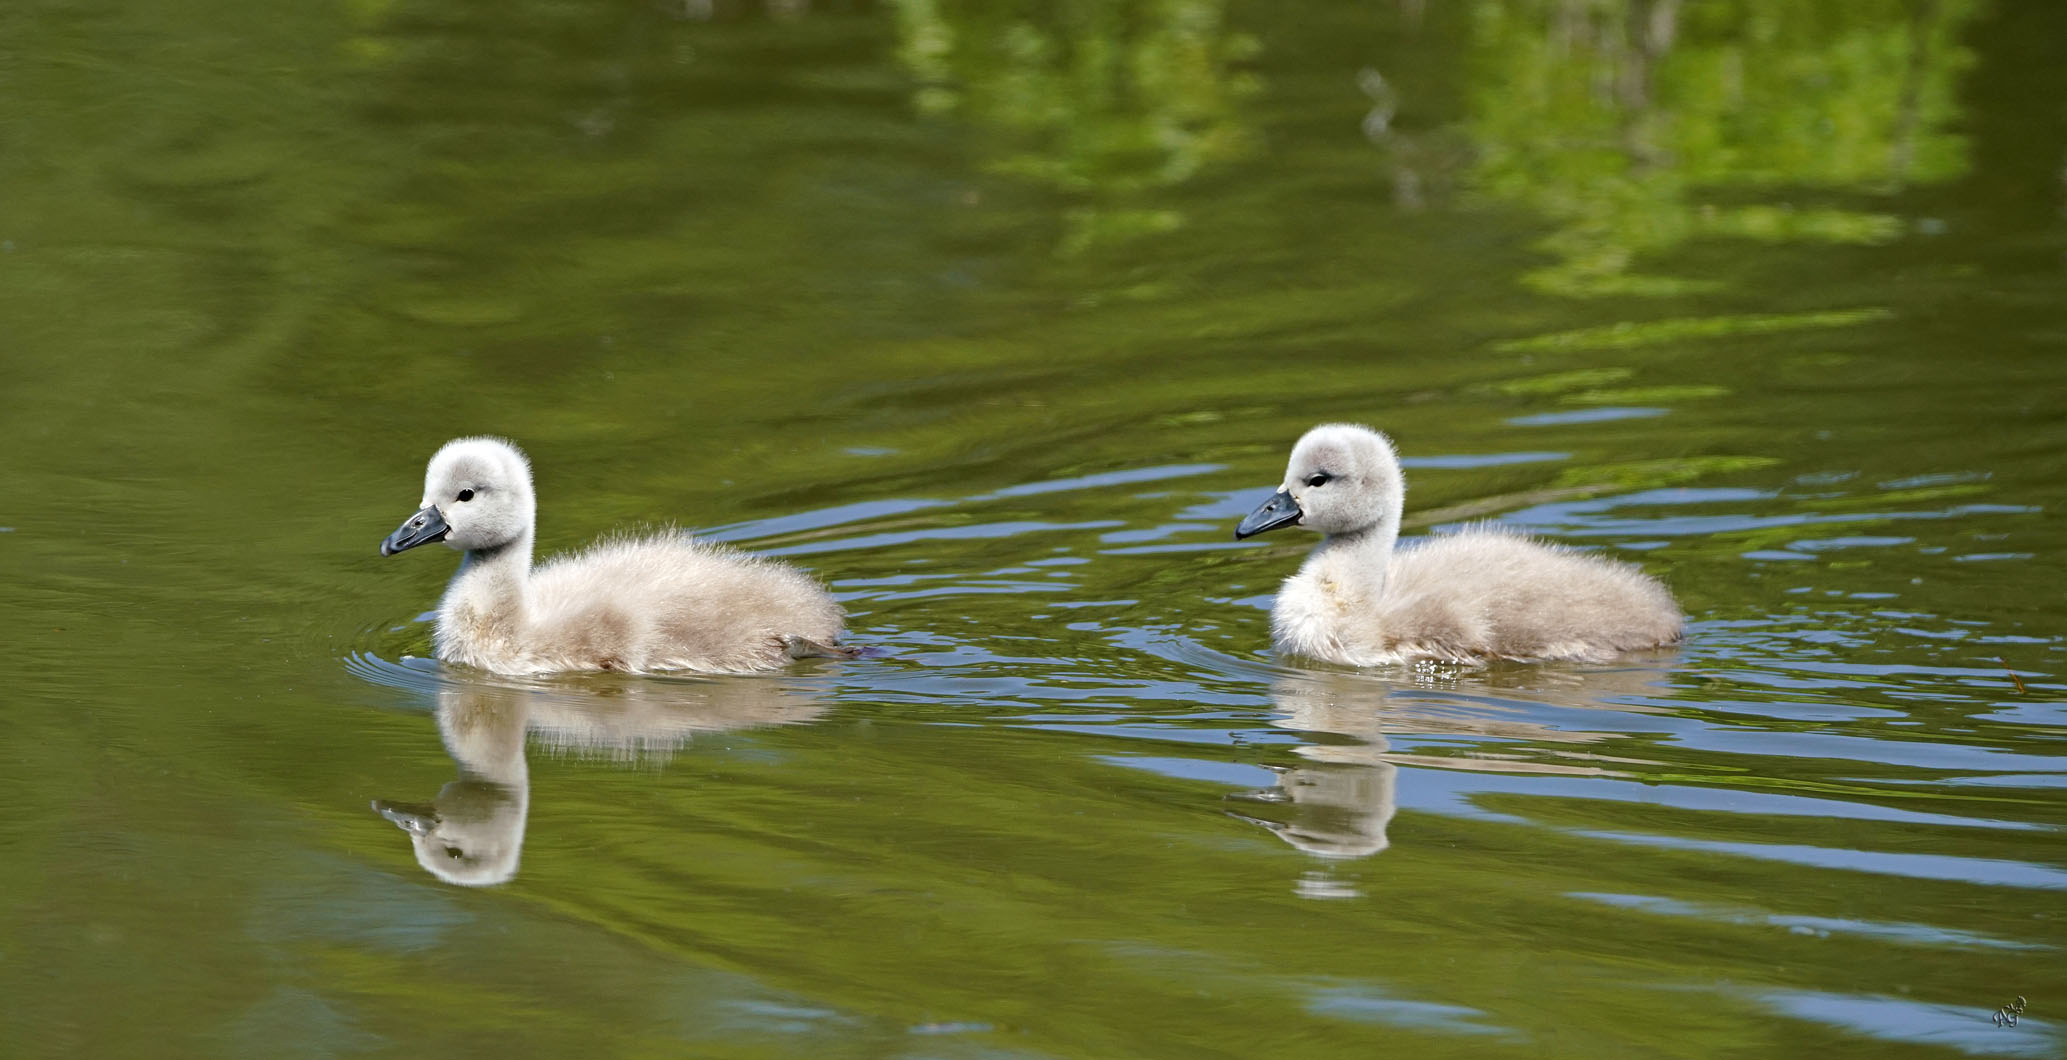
1636 125
1097 100
1633 335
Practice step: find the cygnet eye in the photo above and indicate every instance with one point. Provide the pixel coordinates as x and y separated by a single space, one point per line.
466 495
1318 478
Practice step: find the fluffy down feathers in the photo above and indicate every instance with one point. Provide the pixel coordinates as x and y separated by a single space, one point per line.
1471 596
673 603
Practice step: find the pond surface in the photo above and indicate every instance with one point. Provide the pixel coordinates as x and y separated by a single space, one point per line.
997 318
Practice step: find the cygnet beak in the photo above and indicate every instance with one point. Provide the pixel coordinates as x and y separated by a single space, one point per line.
1279 510
422 528
415 820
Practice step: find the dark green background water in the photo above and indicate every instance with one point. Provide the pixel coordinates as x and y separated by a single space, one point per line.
997 317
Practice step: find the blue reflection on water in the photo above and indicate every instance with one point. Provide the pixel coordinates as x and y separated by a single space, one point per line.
1366 1005
1923 934
1600 415
1966 1028
1994 872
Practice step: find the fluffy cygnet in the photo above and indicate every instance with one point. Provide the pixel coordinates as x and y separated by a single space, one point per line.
1472 596
639 604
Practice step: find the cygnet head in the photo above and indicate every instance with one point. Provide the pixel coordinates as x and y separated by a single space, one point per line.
1343 478
473 835
476 496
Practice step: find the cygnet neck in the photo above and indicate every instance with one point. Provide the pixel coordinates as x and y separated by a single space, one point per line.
484 734
492 580
1371 544
1361 557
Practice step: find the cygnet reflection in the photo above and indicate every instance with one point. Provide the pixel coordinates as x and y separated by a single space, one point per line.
1340 805
472 832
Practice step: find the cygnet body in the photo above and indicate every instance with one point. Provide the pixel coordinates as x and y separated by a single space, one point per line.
636 604
1473 596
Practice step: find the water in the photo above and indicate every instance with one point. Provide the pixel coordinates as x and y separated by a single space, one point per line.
997 320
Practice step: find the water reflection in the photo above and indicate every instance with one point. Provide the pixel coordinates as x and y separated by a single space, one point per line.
472 832
1098 101
1635 126
1339 803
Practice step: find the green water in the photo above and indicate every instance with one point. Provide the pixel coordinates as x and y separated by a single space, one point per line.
997 318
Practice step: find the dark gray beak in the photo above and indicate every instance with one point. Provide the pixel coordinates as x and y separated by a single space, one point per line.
415 820
422 528
1279 510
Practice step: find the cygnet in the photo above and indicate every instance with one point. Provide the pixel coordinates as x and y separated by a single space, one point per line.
636 604
1481 594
